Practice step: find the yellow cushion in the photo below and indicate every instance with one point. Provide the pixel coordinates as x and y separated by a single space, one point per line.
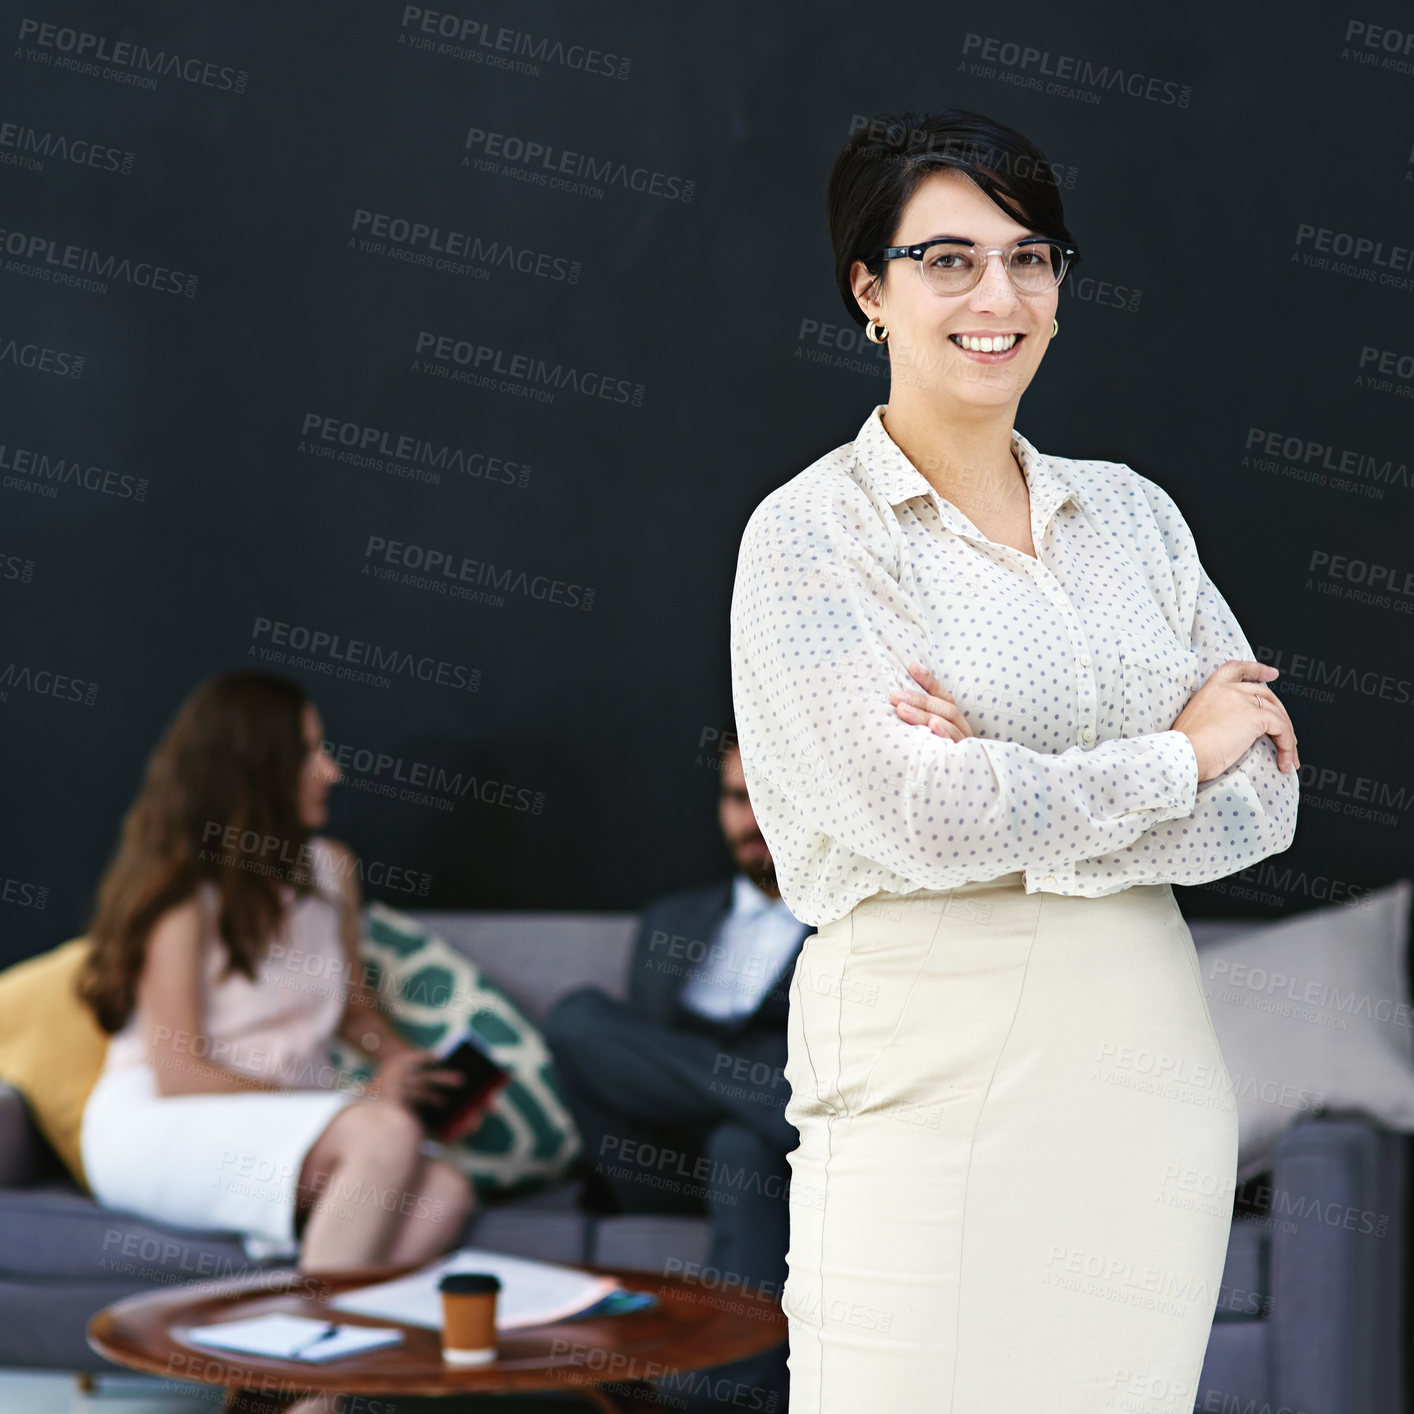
51 1045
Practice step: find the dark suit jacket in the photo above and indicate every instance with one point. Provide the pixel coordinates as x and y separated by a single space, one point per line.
673 934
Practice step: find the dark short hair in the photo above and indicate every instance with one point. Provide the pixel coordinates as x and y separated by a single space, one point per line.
886 160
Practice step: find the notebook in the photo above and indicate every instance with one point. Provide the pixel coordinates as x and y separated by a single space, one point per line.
292 1337
532 1293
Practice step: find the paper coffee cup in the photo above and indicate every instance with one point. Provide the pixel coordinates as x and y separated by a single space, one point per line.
469 1317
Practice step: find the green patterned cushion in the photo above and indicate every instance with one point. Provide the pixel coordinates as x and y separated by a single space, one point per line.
431 990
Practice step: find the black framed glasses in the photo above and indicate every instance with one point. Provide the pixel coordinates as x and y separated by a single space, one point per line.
951 266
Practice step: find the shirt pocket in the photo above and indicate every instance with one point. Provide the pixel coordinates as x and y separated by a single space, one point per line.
1158 676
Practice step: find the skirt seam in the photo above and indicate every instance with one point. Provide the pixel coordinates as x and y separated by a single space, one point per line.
971 1144
903 1008
830 1153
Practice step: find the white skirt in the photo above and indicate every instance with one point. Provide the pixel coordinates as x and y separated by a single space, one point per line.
1006 1104
225 1163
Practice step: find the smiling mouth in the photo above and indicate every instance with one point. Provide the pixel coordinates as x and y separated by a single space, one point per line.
974 343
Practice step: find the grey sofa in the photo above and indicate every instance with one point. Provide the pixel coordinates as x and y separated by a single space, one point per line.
1311 1315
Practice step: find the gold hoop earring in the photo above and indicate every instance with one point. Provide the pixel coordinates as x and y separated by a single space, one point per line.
874 338
1055 327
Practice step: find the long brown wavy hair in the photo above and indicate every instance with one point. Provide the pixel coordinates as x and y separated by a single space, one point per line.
218 802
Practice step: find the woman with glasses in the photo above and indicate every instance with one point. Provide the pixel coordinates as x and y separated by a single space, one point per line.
991 708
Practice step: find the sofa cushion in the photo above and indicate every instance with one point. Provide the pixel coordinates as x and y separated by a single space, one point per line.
58 1235
527 1133
662 1243
1236 1375
1313 1016
522 1232
538 957
51 1045
26 1157
541 1197
1245 1294
44 1329
54 1232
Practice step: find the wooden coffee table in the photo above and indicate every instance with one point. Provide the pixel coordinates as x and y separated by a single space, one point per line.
690 1328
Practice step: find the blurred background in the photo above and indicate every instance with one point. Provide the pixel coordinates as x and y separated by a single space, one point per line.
438 357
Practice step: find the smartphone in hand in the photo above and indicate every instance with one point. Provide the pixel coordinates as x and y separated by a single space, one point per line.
452 1113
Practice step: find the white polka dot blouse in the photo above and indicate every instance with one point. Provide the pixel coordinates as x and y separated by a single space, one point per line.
1070 669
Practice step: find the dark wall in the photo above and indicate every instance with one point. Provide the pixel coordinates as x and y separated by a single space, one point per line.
207 287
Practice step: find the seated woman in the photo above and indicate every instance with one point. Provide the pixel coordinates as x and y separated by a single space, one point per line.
225 958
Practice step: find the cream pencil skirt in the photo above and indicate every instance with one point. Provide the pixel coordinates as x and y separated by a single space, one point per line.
1013 1116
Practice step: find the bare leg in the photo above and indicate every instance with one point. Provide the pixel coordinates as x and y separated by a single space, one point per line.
435 1217
353 1183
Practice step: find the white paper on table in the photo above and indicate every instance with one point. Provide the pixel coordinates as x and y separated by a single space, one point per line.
291 1337
532 1293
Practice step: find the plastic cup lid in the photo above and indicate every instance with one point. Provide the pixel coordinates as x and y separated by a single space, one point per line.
469 1283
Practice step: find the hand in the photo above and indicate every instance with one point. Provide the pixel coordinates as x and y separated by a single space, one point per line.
407 1079
932 708
1227 714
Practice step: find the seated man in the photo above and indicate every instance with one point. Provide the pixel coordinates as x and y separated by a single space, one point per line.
693 1065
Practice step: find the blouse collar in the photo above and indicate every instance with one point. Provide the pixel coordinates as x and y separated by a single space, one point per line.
899 480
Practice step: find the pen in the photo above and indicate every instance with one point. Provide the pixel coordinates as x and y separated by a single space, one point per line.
330 1329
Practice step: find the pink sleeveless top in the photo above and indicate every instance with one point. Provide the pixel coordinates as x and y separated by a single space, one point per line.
277 1026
